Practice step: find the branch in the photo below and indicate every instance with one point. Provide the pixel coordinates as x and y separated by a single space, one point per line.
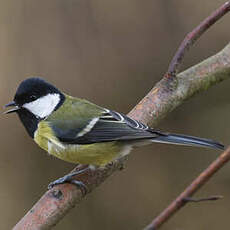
181 200
161 100
167 95
191 38
196 200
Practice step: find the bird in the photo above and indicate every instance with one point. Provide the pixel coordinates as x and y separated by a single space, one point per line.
78 131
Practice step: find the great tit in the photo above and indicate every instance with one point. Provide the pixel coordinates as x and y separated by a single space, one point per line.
78 131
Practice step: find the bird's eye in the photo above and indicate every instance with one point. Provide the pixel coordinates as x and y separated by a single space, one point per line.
33 97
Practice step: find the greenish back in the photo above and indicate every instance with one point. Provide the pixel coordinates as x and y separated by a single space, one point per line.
74 114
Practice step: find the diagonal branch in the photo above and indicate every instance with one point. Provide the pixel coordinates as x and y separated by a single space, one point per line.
191 38
180 201
161 100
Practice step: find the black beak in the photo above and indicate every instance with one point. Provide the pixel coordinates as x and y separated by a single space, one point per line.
12 103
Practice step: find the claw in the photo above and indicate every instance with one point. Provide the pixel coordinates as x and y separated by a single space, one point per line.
68 179
84 189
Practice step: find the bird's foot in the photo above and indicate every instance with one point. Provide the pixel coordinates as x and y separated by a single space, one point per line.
69 179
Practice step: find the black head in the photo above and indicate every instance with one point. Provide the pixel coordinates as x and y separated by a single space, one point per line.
32 89
35 99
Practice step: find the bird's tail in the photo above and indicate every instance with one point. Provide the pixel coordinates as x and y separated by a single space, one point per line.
179 139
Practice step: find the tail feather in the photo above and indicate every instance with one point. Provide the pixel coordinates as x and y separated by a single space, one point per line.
187 140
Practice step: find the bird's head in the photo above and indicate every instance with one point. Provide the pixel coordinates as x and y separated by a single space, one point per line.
36 96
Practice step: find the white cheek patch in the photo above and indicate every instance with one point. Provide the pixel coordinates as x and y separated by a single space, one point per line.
44 106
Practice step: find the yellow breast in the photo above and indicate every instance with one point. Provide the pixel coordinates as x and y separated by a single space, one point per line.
98 154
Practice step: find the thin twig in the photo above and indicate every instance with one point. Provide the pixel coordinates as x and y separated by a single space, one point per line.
197 200
190 190
193 36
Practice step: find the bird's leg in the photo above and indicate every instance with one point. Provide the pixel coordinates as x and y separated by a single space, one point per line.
68 179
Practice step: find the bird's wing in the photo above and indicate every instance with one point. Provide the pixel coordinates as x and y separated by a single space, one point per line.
108 126
81 122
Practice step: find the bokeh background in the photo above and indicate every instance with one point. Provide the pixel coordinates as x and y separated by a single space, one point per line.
112 53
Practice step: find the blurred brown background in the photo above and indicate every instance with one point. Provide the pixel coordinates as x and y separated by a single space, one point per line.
112 53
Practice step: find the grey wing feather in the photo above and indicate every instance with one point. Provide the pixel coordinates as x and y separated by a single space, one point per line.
114 126
110 126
